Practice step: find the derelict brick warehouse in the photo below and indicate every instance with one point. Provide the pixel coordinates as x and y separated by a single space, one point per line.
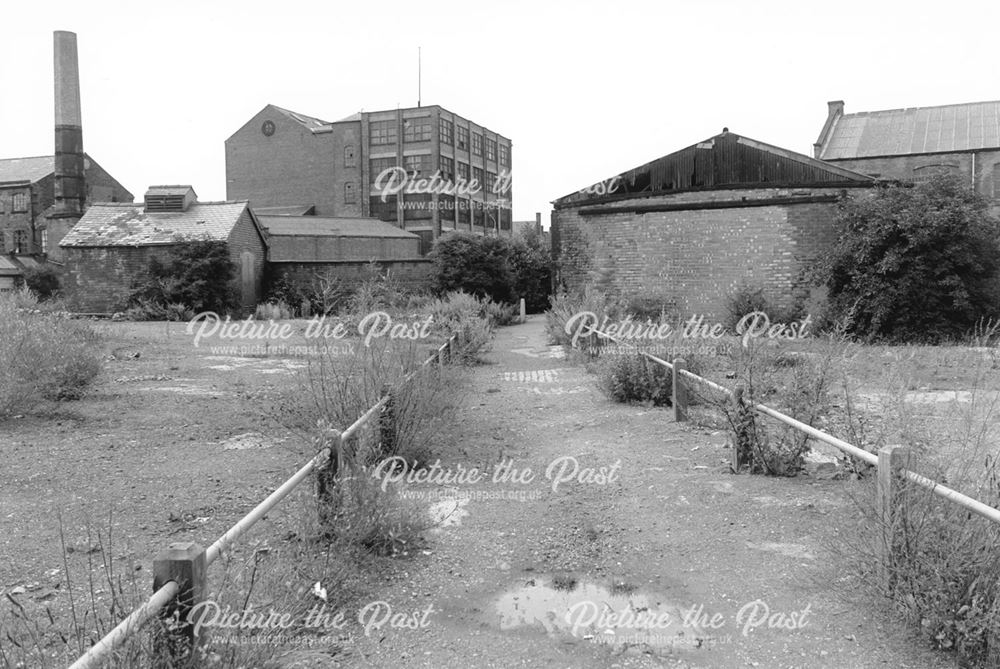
699 223
110 247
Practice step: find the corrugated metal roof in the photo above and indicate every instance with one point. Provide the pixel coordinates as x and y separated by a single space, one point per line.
726 161
894 132
27 169
119 224
323 226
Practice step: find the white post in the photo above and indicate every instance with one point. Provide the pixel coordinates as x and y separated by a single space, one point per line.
524 314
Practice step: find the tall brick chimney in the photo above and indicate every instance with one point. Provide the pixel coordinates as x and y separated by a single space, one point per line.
70 188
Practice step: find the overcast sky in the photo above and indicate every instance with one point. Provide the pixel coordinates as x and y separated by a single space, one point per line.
584 89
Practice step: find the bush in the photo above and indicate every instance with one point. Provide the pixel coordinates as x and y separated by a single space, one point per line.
475 264
747 299
46 355
651 305
565 306
379 291
632 378
470 318
43 281
273 311
532 269
915 264
199 275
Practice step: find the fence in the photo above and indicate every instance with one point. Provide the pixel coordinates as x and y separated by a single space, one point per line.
180 571
890 462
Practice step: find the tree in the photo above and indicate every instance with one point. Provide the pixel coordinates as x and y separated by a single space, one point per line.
532 269
915 263
473 263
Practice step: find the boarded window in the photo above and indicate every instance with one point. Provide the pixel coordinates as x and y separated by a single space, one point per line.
350 193
349 158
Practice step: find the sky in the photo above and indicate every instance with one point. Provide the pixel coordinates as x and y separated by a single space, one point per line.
584 89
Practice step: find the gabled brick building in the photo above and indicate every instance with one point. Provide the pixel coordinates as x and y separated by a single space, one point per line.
27 196
698 223
913 144
112 244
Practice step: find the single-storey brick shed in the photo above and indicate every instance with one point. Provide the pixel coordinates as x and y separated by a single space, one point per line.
699 223
112 244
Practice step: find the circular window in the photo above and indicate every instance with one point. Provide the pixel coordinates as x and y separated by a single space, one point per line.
267 128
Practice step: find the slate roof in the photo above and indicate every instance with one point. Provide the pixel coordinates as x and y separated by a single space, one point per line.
323 226
27 169
126 224
8 267
895 132
308 121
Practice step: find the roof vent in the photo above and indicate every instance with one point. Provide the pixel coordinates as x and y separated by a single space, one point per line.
169 198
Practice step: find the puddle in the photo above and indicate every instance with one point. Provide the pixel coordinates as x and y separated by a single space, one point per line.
619 616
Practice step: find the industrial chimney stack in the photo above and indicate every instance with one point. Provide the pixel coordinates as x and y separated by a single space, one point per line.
70 188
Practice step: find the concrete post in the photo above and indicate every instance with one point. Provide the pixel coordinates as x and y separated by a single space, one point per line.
891 459
679 391
183 563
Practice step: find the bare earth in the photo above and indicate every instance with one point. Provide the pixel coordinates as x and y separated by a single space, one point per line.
674 532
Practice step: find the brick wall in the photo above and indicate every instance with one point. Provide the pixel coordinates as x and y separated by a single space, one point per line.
245 238
328 248
294 166
699 255
413 274
96 280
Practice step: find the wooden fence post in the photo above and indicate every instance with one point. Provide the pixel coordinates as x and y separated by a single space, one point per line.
679 391
387 424
741 429
890 460
183 563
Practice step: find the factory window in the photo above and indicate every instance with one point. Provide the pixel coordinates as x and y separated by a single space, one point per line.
463 171
491 182
415 165
505 219
463 210
477 175
463 138
383 132
478 214
504 154
379 165
416 131
477 144
491 149
19 203
45 241
350 193
447 169
349 158
447 132
20 241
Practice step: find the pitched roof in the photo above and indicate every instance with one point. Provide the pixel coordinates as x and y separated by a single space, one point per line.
121 224
894 132
8 267
26 169
323 226
308 121
286 210
725 161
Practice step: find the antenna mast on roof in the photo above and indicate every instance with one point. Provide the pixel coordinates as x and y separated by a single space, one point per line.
419 76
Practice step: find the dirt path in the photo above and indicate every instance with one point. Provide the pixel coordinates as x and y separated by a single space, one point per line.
669 533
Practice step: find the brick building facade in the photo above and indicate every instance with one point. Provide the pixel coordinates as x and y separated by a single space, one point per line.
111 246
285 159
699 223
27 196
916 143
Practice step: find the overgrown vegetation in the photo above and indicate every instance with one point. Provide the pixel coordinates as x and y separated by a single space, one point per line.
497 268
194 277
44 281
44 354
918 264
631 378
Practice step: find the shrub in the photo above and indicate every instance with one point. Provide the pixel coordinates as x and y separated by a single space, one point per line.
378 291
915 264
532 269
273 311
565 306
653 305
43 281
632 378
198 274
46 355
475 264
470 318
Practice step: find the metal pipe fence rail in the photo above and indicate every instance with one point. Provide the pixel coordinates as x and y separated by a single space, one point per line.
890 462
179 572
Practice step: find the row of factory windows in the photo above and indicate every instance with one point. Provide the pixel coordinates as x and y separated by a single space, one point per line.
421 207
421 165
385 132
